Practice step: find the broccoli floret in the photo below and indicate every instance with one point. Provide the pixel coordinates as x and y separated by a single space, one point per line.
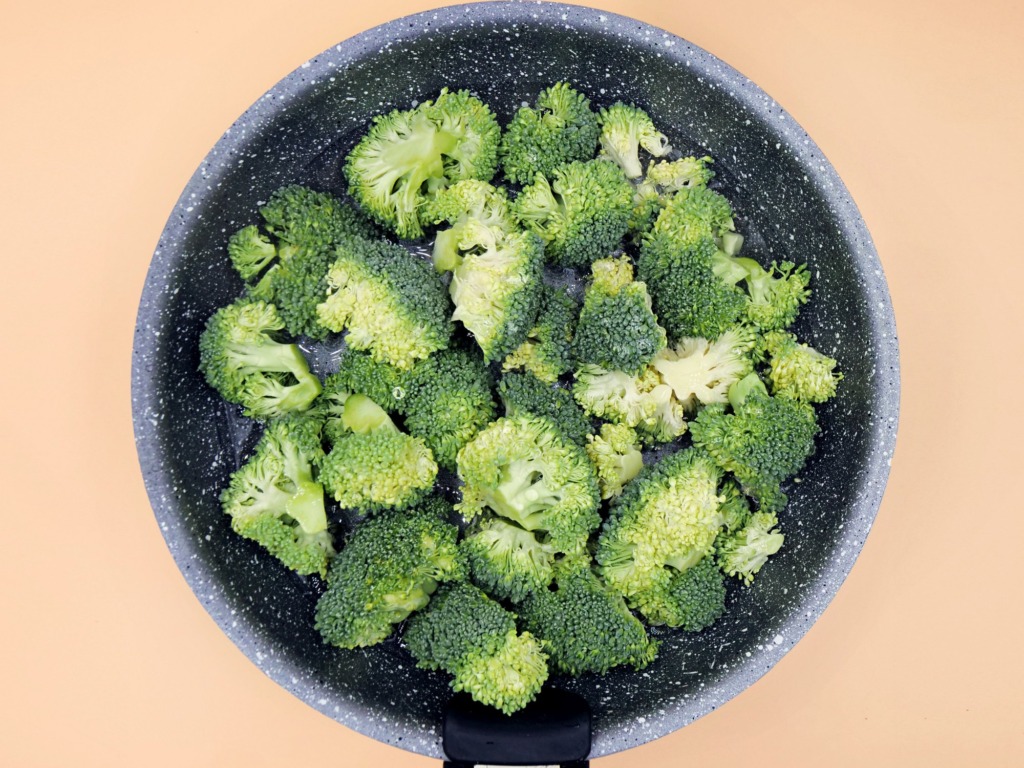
799 371
250 251
523 469
385 384
559 129
776 293
743 552
387 569
390 302
677 261
473 638
311 220
275 500
665 522
506 561
241 359
642 402
408 156
376 467
459 204
764 442
616 454
524 394
664 179
329 408
735 508
584 626
694 599
624 130
581 214
546 353
701 371
617 328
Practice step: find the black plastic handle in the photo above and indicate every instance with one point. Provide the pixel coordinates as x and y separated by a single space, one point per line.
554 729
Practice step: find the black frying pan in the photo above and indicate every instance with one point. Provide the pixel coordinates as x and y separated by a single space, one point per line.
790 204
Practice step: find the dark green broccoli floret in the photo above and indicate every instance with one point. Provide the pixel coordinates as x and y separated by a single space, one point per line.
408 156
506 561
581 214
584 626
310 220
242 360
275 500
385 384
694 599
560 128
700 372
523 469
524 393
250 251
473 638
799 371
329 408
387 569
547 351
390 302
664 179
743 552
677 263
624 130
735 508
616 454
617 329
765 441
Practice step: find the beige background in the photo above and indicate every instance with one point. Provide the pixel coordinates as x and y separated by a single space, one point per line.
108 659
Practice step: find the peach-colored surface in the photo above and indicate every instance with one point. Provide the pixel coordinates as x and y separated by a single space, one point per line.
109 660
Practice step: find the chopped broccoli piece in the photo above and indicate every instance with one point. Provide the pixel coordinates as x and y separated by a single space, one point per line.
663 179
250 251
506 561
694 599
584 626
799 371
458 205
329 408
559 129
616 454
385 384
408 156
743 552
473 638
274 499
523 469
776 293
546 353
311 220
617 328
581 213
524 394
387 569
735 508
624 130
764 442
390 302
241 359
642 402
701 371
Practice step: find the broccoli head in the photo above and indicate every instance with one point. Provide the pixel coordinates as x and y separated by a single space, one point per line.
250 251
741 553
701 371
241 359
507 561
390 302
309 220
584 626
799 371
275 500
662 180
470 636
624 130
524 470
617 328
642 402
458 205
329 408
547 351
558 129
409 155
693 599
775 294
385 384
524 394
615 452
388 568
581 214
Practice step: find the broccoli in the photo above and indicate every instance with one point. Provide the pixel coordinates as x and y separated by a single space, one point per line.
701 371
241 359
524 394
677 262
735 508
507 561
776 293
388 568
376 466
799 371
408 156
584 626
309 220
329 408
385 384
546 353
763 443
391 302
457 206
581 213
743 552
615 452
643 402
662 180
694 599
617 328
250 251
275 500
664 523
522 469
559 129
624 129
473 638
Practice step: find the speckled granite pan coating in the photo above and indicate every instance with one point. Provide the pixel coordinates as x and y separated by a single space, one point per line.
792 205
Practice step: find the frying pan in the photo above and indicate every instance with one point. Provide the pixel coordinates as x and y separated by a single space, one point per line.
790 203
